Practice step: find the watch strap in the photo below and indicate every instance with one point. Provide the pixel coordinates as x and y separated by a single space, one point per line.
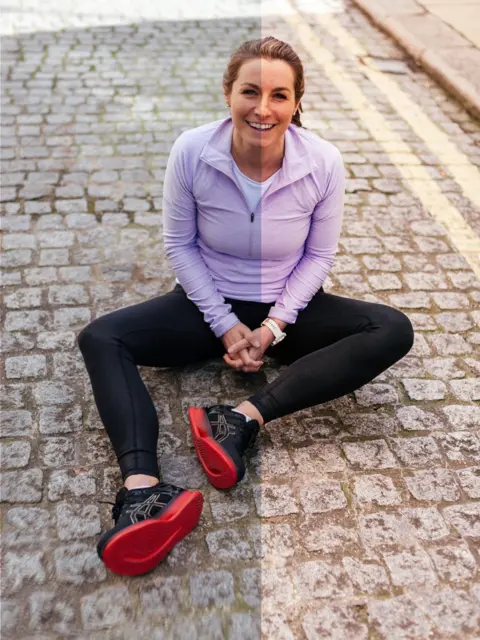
275 329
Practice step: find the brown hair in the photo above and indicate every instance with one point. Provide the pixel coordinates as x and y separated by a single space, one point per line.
268 47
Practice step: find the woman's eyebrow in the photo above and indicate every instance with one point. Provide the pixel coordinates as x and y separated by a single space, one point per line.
257 87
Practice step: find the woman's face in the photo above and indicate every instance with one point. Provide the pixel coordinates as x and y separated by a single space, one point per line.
263 93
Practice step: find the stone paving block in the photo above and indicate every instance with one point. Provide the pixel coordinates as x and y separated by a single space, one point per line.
377 490
334 622
106 608
373 454
425 389
460 446
410 568
399 617
367 577
435 485
465 518
212 587
162 597
317 579
470 481
21 486
319 497
318 458
14 455
453 562
228 544
244 625
415 419
23 567
416 452
272 542
462 416
274 500
425 524
48 612
75 521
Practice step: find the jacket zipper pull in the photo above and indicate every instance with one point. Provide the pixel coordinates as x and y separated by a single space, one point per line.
252 216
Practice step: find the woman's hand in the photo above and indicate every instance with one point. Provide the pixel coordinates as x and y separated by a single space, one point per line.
263 337
241 334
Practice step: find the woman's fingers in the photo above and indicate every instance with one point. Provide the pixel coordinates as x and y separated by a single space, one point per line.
244 343
238 364
238 346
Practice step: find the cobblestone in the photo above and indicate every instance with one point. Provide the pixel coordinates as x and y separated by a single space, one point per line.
357 518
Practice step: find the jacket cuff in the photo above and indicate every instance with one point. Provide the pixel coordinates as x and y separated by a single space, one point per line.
225 324
286 315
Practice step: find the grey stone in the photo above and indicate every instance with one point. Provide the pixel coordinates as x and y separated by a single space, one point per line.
274 500
319 497
433 485
376 490
14 455
106 608
318 579
212 587
73 483
75 521
78 564
334 622
26 367
416 452
21 486
470 481
465 518
373 454
409 568
22 567
228 544
399 617
16 423
453 562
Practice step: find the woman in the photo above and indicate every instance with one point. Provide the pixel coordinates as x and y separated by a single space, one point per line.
252 215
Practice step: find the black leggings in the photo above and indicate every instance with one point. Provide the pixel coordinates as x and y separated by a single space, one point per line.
336 346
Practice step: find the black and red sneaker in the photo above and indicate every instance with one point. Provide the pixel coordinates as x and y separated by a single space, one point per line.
221 437
148 524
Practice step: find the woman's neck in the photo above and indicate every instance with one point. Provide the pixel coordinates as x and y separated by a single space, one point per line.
255 161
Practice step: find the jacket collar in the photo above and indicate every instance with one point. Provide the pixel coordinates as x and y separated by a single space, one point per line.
297 160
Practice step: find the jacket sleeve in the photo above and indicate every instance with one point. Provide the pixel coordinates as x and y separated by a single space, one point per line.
180 233
319 251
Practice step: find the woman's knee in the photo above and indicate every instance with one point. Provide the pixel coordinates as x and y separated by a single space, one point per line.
400 331
93 334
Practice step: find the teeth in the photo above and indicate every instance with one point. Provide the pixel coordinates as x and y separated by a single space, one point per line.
260 126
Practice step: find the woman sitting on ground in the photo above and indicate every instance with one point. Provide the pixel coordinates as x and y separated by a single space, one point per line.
252 216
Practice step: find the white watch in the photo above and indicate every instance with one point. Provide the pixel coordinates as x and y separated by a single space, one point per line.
275 329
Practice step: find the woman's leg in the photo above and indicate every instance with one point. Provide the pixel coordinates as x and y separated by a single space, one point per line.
165 331
336 346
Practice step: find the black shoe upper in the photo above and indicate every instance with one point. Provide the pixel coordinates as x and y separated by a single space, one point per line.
135 505
231 429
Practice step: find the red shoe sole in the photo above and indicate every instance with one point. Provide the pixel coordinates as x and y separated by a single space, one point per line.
219 467
140 547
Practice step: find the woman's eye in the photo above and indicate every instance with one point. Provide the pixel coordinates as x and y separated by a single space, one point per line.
277 94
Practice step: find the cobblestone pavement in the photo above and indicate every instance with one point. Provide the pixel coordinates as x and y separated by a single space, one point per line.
357 519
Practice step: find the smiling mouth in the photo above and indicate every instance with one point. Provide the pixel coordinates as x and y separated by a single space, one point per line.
260 130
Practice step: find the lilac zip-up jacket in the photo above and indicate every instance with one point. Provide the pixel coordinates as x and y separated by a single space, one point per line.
280 253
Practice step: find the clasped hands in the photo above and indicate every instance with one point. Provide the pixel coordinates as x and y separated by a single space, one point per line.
245 348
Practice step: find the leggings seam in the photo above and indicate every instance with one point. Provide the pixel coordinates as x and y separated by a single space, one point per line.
131 401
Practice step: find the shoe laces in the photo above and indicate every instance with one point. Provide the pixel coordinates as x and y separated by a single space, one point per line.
243 433
121 503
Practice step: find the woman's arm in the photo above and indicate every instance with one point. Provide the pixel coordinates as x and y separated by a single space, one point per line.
320 248
179 232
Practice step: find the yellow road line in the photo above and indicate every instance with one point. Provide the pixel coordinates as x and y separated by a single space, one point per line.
465 172
414 175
